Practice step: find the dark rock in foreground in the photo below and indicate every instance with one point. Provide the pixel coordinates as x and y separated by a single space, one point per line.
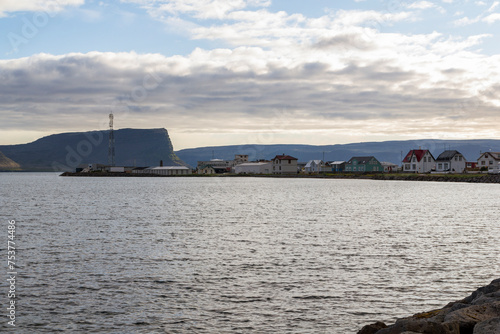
477 314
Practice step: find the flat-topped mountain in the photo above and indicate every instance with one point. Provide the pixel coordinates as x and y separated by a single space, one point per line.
65 151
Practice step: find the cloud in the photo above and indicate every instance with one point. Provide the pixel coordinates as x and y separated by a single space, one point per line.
421 5
50 6
332 86
339 74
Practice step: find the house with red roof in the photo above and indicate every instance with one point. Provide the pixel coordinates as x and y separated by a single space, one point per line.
284 164
419 161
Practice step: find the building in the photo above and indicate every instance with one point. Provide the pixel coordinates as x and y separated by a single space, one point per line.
164 170
259 167
488 159
363 164
314 166
471 165
389 167
336 166
284 164
419 161
220 164
450 161
205 169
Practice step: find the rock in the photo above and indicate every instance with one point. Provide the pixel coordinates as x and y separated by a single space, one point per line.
491 326
468 317
478 313
372 328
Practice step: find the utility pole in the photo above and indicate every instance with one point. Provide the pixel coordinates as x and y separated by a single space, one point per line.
111 148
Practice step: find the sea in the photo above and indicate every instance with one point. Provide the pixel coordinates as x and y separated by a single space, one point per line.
238 254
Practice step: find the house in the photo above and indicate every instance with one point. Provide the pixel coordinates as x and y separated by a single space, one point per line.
224 164
314 166
363 164
336 166
389 167
259 167
284 164
205 169
488 159
418 161
450 161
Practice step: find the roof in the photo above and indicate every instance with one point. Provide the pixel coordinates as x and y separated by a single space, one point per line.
419 154
249 164
331 163
284 157
387 163
495 155
316 162
168 167
205 166
447 155
362 160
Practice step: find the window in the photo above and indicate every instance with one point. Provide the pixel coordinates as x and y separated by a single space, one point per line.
414 167
440 166
414 159
483 163
491 162
289 161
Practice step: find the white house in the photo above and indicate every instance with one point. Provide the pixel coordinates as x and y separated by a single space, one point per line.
488 159
314 166
450 161
219 163
389 167
261 167
419 161
284 164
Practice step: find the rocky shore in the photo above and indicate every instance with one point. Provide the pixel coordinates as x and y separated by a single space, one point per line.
478 313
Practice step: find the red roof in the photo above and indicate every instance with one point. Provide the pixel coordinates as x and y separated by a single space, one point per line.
419 154
284 157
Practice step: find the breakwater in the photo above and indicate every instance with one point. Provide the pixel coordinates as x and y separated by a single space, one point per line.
470 178
478 313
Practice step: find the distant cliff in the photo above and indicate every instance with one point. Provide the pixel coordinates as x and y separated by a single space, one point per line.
65 151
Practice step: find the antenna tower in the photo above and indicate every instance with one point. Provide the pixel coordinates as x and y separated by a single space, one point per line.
111 150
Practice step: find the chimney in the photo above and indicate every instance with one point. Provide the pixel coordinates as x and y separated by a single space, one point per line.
161 163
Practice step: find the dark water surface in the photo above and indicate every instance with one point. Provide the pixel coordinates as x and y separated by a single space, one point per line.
241 255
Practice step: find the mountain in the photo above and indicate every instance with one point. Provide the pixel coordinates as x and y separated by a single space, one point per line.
65 151
7 163
391 151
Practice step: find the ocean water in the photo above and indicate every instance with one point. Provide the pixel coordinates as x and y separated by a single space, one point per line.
240 255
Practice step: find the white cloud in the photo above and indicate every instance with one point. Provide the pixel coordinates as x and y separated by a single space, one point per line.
421 5
492 18
7 6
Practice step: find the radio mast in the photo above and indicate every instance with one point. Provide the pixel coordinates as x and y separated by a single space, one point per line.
111 149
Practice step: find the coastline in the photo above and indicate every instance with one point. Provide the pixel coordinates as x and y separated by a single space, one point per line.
469 178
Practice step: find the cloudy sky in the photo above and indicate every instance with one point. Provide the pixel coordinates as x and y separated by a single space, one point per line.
218 72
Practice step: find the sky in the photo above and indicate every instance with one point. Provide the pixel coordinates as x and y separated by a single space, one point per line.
230 72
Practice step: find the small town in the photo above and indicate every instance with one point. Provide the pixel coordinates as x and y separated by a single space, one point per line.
418 161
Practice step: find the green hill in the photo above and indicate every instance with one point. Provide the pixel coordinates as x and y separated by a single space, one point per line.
65 151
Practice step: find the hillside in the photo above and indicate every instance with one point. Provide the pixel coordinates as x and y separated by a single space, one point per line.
64 152
7 164
391 151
